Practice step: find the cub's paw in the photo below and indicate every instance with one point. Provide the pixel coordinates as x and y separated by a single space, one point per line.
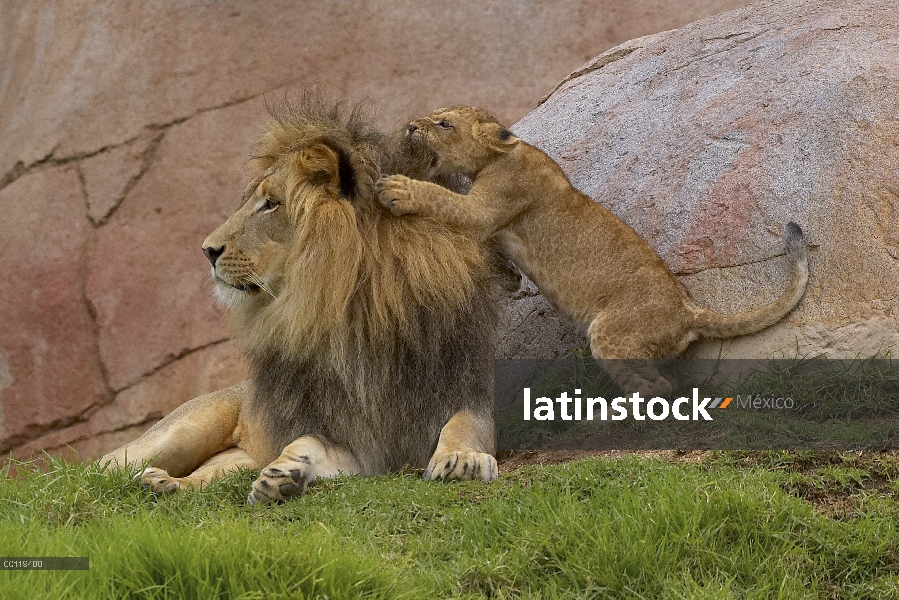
282 480
462 466
158 481
395 193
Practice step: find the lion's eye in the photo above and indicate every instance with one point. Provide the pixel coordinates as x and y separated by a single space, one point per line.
444 125
268 205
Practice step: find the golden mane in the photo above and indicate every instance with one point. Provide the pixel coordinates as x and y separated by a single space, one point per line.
355 275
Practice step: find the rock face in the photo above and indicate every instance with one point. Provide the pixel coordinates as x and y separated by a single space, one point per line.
124 128
707 139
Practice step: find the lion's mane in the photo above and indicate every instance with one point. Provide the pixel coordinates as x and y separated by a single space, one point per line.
383 327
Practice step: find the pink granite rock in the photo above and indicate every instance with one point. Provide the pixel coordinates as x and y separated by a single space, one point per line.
135 409
109 175
49 369
708 139
147 277
83 75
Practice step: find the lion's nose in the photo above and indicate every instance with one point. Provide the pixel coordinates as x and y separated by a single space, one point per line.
410 129
213 253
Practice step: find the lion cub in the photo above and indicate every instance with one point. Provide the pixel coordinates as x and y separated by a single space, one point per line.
586 261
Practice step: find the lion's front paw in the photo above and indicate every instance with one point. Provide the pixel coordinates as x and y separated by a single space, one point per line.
395 193
158 481
463 466
282 480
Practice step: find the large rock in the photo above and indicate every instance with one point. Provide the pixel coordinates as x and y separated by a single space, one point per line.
136 408
147 277
47 339
707 139
124 127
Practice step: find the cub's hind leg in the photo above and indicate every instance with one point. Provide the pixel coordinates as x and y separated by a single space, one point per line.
628 357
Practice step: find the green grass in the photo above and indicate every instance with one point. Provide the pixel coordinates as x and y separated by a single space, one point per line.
740 525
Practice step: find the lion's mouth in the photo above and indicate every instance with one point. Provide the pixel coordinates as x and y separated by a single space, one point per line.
247 287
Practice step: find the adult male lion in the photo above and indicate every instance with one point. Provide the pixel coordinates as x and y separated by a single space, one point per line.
369 336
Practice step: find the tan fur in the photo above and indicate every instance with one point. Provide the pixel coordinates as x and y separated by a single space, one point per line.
457 455
586 261
370 337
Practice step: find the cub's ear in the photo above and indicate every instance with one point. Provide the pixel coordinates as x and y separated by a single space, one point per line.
494 135
328 164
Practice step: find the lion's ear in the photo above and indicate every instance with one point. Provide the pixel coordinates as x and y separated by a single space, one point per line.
494 135
331 166
251 187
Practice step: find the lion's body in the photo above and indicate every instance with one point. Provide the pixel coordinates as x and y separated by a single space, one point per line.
586 261
369 337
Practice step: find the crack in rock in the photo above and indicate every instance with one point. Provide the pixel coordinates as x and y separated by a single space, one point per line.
595 65
169 360
608 57
19 169
103 186
734 40
151 419
35 431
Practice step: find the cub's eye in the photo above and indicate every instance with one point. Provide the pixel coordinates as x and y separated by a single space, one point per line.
268 205
444 125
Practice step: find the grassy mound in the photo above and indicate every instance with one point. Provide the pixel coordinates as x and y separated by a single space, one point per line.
735 526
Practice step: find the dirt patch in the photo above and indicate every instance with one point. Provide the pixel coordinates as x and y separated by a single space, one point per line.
514 460
839 485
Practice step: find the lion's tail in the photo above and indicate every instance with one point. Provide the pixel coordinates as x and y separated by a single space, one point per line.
711 324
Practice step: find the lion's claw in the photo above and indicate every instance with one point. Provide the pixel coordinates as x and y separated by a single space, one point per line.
395 193
276 484
158 481
463 466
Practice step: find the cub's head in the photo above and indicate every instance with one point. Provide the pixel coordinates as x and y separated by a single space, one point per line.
462 139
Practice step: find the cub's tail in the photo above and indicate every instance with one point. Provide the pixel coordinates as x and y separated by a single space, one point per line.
711 324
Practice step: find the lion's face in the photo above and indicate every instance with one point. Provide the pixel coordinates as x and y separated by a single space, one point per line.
247 252
287 262
250 251
464 139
